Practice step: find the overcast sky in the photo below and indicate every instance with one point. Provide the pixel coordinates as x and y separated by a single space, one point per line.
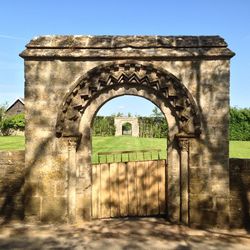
20 20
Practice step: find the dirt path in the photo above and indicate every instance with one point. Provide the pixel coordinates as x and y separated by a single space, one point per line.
147 233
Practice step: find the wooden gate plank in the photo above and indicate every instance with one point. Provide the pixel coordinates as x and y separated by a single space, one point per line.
114 190
123 189
153 195
132 189
141 194
105 191
147 186
139 188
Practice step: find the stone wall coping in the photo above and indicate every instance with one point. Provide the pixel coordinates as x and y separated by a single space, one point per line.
126 46
11 152
239 159
55 41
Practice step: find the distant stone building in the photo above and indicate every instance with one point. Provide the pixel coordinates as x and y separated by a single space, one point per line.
16 107
119 123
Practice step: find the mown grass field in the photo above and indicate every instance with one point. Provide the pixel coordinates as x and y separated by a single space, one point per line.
12 143
121 143
238 149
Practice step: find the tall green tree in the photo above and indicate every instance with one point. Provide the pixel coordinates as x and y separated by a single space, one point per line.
156 112
3 108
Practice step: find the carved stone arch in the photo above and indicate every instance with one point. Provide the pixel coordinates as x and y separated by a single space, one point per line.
197 168
84 148
129 74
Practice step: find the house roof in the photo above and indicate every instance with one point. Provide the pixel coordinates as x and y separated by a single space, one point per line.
19 99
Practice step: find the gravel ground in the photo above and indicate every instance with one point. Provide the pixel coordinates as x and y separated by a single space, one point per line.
146 233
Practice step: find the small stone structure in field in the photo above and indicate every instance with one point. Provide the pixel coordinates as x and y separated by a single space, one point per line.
67 80
120 121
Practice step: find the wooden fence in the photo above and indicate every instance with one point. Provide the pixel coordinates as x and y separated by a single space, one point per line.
128 155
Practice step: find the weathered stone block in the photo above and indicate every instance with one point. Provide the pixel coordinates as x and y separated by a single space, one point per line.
200 187
60 188
202 202
54 209
33 207
197 174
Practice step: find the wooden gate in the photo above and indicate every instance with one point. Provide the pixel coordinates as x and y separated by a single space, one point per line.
129 189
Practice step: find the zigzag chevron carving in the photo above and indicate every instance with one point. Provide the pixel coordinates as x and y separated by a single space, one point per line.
102 78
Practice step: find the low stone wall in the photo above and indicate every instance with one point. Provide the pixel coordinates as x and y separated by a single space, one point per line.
13 196
11 185
22 196
240 192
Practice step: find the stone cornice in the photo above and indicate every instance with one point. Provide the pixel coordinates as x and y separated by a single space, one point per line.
168 47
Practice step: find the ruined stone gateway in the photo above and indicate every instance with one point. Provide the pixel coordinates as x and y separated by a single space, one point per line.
120 121
69 78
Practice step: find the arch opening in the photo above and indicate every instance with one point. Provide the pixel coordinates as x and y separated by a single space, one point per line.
119 116
127 128
160 87
135 166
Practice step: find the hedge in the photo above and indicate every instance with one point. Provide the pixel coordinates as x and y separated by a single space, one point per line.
239 127
148 126
8 124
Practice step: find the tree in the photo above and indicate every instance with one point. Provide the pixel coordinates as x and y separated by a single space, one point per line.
103 126
127 126
239 126
3 108
156 112
10 123
119 114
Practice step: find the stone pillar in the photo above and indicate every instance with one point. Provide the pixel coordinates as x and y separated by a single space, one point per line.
173 179
71 173
135 128
184 179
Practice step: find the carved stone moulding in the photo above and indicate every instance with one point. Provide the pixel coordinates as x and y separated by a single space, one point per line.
130 74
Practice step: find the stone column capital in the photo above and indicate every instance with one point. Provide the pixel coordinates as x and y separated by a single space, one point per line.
72 142
183 144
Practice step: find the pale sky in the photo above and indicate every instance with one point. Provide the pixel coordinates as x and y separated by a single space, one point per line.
21 20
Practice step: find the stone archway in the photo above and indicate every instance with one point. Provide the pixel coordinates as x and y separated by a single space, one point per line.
67 79
120 121
107 81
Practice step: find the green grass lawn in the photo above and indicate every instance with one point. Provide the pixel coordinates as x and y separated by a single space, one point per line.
121 143
11 143
238 149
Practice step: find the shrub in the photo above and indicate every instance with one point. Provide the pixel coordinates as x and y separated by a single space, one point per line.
11 123
239 128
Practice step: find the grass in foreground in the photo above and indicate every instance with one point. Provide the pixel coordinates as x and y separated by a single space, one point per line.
238 149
